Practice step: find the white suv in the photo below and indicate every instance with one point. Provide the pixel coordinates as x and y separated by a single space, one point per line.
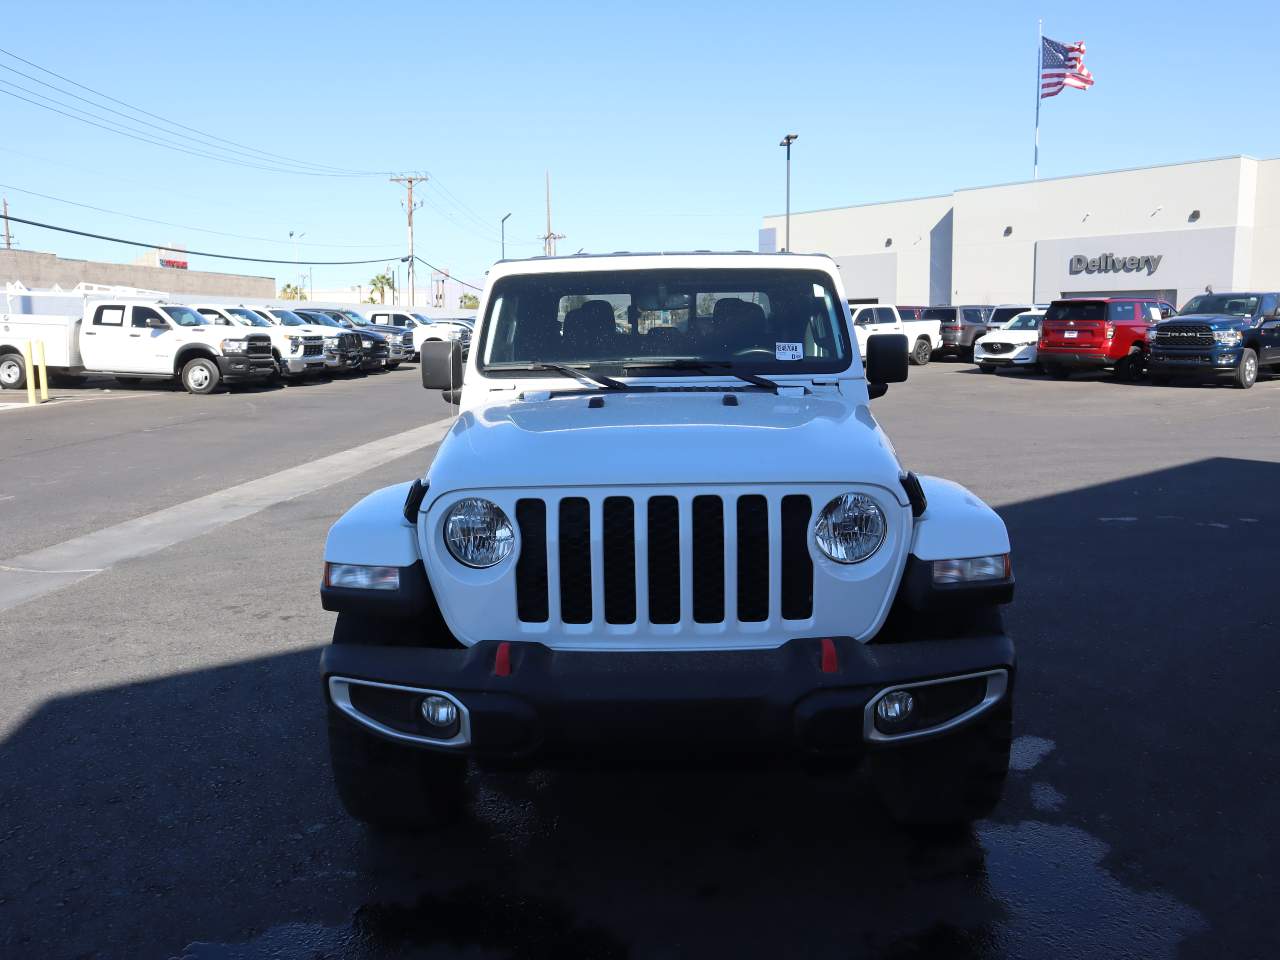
666 517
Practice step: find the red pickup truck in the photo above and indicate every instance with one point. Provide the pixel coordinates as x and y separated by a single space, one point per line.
1098 334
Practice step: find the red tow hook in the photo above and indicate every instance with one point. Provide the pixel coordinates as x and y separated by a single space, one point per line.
502 660
830 663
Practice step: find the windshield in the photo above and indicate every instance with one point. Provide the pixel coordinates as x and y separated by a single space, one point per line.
421 319
948 314
185 317
1077 310
247 316
289 319
1025 321
1227 304
354 317
1002 314
786 321
319 319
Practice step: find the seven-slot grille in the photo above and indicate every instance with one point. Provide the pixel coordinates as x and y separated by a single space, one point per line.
738 556
1185 335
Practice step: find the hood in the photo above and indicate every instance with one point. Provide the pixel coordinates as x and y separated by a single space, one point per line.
386 328
665 438
1001 335
1216 321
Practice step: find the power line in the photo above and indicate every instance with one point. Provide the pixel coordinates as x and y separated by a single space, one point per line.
431 266
200 253
172 123
184 226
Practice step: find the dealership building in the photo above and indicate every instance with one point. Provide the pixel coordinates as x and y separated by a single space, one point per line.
1168 231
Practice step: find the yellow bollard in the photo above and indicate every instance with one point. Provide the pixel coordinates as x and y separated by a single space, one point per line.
31 382
44 372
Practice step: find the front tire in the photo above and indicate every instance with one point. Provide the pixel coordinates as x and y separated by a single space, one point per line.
1130 367
200 376
13 372
922 353
392 787
954 779
1246 374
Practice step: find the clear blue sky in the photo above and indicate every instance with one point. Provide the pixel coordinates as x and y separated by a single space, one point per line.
659 122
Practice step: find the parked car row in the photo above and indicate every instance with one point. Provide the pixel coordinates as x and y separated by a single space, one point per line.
207 345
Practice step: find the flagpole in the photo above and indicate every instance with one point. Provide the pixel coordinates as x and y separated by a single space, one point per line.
1035 167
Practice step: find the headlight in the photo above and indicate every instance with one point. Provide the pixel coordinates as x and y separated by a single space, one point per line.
234 346
970 569
850 528
367 344
478 533
295 344
359 577
1228 338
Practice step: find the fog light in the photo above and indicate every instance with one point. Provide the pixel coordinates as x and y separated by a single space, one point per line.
439 711
894 708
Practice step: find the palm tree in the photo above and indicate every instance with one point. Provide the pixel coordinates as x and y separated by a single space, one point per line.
292 291
380 285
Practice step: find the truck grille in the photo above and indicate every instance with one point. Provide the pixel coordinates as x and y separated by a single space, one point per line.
313 346
259 346
734 546
1197 335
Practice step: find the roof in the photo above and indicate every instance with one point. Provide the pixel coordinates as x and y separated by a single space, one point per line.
697 259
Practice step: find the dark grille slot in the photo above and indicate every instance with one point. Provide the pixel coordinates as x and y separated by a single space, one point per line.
664 560
575 560
753 559
708 559
619 535
797 565
531 568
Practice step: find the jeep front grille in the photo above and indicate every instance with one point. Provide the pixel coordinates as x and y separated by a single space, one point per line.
741 549
1196 335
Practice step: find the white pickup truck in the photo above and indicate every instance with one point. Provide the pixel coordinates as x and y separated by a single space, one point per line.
923 336
136 340
295 354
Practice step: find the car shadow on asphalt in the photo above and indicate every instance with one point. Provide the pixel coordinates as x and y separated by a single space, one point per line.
192 814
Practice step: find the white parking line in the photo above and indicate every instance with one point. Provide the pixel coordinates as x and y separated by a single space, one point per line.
43 571
7 406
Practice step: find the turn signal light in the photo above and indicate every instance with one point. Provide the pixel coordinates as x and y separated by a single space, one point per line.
972 569
359 577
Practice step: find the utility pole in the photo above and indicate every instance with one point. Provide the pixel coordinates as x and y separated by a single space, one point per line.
409 180
503 225
8 241
550 237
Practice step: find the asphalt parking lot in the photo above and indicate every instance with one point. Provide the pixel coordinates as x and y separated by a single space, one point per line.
164 785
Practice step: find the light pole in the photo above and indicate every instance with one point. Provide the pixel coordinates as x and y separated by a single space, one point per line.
503 225
786 142
295 237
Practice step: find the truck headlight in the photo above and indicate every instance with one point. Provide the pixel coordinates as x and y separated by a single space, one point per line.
295 344
1228 338
234 346
850 528
478 533
367 344
972 569
360 577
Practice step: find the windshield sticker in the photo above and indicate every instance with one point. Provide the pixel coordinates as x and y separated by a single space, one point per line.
788 351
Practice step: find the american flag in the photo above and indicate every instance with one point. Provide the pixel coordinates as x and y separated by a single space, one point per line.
1062 65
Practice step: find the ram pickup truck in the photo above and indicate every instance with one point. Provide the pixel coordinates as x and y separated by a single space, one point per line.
1227 336
924 336
666 520
1097 334
342 350
295 354
373 346
136 340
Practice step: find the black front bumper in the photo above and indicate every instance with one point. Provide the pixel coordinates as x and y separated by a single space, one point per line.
1199 363
240 368
808 696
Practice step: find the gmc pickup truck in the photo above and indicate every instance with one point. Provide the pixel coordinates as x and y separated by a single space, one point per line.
1227 336
138 340
665 520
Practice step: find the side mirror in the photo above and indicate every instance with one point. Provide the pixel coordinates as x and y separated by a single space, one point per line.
158 323
441 365
886 360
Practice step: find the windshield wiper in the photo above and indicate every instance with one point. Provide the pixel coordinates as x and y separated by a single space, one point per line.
594 379
705 366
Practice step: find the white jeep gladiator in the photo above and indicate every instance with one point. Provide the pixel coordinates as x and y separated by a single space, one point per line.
665 518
